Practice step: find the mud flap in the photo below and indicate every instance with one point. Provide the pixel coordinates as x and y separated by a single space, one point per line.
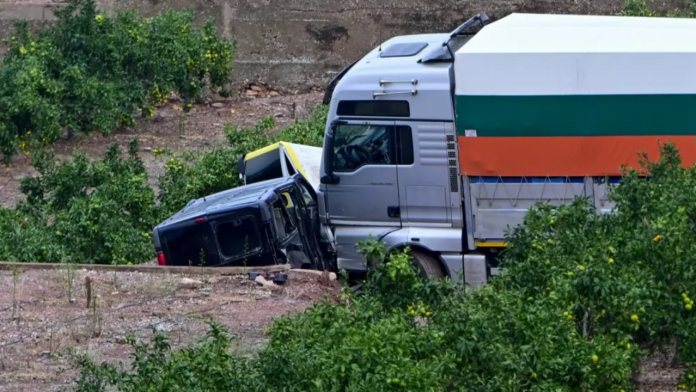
475 274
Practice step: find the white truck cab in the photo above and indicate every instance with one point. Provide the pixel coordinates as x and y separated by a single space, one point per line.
443 142
390 167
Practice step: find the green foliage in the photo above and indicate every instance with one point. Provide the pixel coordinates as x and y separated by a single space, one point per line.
184 180
94 72
187 177
636 8
309 132
208 367
641 8
628 276
103 212
583 297
82 211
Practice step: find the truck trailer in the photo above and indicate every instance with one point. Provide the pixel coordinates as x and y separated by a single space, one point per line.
442 142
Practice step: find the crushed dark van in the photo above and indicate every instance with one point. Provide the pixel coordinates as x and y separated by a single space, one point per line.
265 223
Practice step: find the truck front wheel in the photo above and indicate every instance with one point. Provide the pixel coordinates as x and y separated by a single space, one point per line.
427 264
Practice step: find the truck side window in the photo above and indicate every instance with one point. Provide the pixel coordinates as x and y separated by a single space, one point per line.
405 145
359 145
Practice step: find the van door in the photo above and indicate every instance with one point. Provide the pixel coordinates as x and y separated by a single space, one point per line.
365 191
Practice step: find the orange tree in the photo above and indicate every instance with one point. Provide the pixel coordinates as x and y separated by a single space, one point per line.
584 296
82 211
94 72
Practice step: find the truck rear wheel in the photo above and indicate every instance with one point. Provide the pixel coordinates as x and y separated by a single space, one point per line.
428 265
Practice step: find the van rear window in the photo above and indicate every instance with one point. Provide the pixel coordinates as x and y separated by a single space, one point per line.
374 108
238 237
191 245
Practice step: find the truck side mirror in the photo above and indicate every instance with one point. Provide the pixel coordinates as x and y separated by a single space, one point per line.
329 178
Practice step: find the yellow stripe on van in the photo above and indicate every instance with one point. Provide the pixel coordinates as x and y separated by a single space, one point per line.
293 158
261 151
491 244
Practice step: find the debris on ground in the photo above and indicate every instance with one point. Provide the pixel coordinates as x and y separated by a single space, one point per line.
309 286
331 275
265 283
274 277
190 284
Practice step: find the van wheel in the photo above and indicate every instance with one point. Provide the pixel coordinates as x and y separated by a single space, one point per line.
428 265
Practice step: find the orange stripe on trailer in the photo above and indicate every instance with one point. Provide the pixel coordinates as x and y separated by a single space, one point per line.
563 156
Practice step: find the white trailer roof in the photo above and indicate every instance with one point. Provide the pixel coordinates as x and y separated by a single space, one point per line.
532 33
527 54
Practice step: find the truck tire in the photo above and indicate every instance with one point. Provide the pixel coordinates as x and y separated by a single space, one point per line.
428 265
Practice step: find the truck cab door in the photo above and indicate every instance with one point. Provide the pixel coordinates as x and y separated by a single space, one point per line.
362 189
424 174
306 209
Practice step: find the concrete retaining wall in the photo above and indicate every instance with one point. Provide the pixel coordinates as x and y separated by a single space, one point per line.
293 45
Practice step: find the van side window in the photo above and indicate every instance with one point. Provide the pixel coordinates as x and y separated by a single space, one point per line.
291 169
284 224
264 167
359 145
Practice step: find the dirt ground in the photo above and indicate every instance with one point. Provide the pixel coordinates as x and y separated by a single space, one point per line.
43 313
657 374
200 129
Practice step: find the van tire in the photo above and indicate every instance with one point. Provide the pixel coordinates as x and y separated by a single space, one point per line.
428 265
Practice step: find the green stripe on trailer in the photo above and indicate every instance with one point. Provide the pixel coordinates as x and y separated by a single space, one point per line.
576 115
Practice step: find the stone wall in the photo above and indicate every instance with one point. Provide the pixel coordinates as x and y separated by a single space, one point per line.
294 45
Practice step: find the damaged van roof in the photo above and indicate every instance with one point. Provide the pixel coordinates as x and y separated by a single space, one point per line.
226 200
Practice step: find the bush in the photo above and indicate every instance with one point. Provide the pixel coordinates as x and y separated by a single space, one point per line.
82 211
93 72
584 296
636 8
103 212
641 8
208 367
